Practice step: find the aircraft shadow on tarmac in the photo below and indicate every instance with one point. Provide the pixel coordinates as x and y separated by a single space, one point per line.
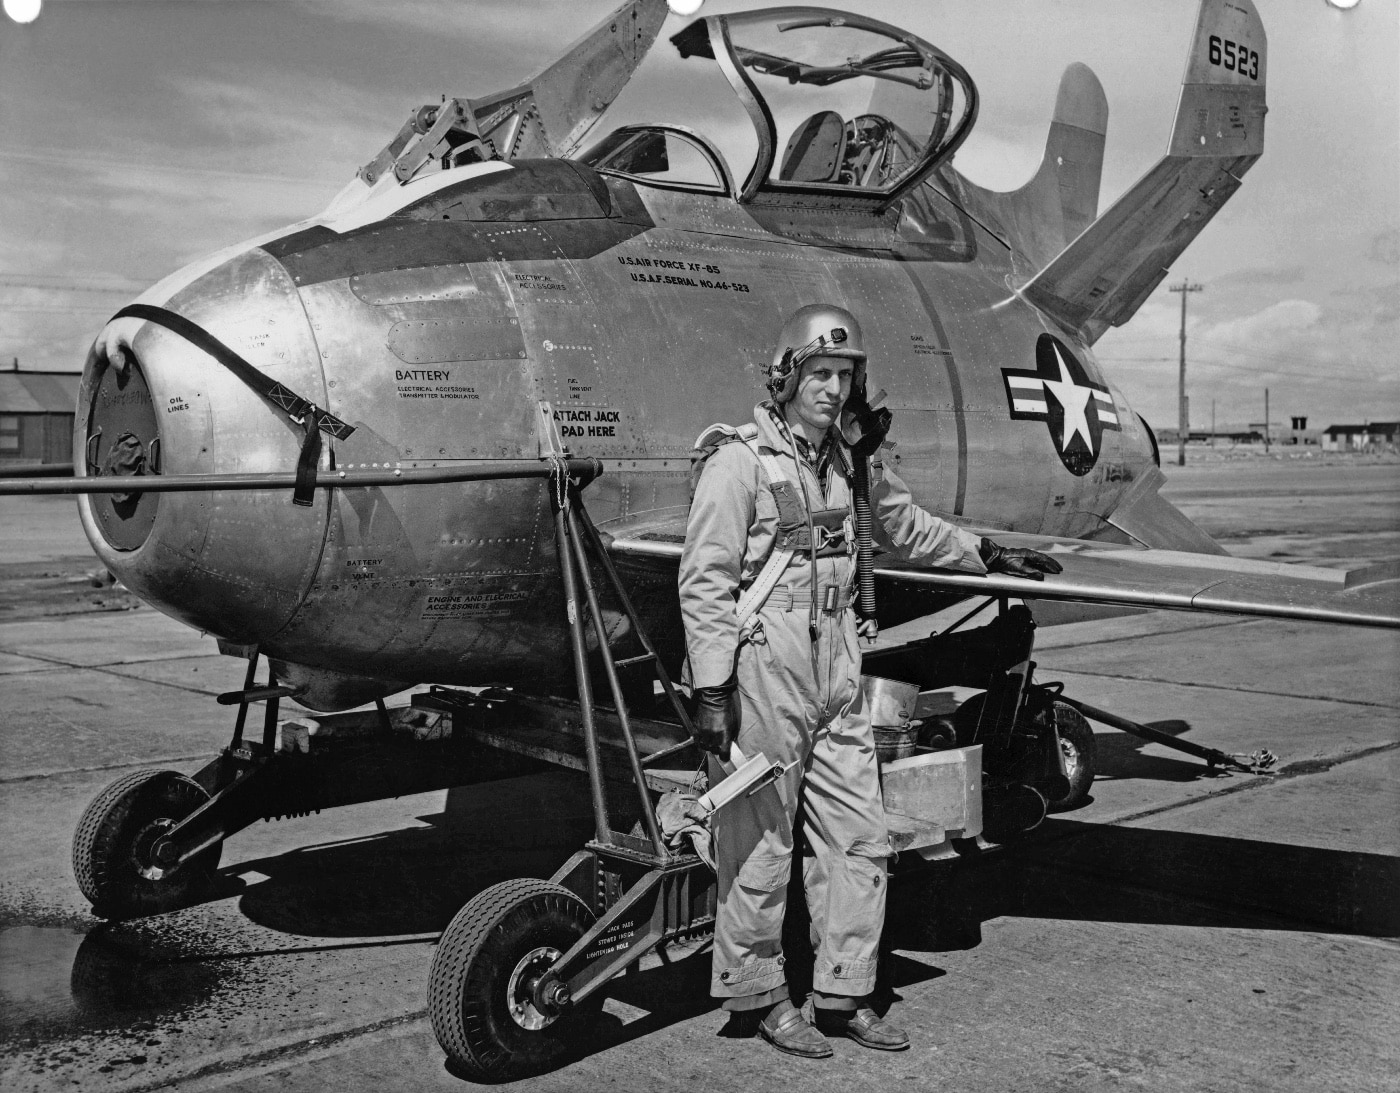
413 881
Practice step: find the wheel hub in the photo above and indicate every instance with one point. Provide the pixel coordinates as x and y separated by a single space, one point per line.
520 989
1071 757
143 858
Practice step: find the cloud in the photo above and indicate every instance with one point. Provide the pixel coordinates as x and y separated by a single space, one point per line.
1385 247
500 35
286 123
1329 360
1285 319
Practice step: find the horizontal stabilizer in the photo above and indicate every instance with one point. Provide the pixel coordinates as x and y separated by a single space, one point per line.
1103 277
1152 520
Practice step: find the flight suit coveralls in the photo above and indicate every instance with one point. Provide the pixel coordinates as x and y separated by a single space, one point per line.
798 703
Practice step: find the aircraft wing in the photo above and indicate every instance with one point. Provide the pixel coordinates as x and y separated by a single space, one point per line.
1116 575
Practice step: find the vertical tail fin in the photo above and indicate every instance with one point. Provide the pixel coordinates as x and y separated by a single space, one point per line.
1103 277
1062 197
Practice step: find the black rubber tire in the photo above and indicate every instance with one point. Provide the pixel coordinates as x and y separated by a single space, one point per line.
120 821
471 970
1081 753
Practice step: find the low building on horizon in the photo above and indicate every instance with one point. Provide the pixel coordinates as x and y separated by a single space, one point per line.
36 416
1375 436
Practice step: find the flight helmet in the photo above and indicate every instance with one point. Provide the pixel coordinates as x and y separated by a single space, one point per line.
814 330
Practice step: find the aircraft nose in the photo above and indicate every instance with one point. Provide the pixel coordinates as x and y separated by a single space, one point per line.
235 563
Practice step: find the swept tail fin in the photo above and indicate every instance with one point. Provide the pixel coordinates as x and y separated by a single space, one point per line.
1103 277
1062 197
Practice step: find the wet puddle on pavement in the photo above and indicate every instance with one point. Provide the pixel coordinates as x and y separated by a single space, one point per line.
96 998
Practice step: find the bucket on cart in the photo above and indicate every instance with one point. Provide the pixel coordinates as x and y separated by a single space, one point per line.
890 704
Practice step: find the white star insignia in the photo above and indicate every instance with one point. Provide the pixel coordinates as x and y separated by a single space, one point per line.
1074 400
1060 379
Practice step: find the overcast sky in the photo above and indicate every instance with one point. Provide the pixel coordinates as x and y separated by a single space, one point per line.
136 136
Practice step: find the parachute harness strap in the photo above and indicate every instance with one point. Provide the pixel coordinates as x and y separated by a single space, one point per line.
811 533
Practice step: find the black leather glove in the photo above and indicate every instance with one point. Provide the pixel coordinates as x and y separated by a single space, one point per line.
717 717
1017 561
865 427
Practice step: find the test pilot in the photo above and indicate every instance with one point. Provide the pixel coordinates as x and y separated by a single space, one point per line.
767 581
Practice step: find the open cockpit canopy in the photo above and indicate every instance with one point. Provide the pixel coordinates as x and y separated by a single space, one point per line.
841 104
841 107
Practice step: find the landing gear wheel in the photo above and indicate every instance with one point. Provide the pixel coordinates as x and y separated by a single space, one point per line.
112 846
1080 751
481 983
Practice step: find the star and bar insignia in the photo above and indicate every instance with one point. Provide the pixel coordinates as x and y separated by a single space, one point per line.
1059 392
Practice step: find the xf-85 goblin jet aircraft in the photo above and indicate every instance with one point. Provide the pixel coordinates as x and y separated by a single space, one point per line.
441 434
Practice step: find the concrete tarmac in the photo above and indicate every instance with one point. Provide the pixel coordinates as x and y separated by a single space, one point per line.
1179 932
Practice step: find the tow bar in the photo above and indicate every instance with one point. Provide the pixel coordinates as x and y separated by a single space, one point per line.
1259 762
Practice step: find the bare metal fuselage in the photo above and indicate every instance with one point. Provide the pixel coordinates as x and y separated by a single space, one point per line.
637 314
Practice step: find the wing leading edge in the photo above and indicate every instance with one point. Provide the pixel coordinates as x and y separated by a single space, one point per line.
1112 574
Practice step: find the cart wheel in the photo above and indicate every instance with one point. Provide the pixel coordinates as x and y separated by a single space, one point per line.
112 846
481 983
1080 752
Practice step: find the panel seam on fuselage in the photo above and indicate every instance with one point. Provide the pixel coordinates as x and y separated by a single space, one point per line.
954 381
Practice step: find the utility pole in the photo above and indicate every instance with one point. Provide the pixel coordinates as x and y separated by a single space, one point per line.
1183 425
1266 421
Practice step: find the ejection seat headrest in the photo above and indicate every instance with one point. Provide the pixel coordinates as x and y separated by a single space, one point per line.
815 150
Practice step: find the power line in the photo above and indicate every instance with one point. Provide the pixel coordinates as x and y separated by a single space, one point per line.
54 284
1330 377
70 161
59 310
1251 368
1267 355
1262 355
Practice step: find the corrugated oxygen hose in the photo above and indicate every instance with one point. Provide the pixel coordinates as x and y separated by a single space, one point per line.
865 571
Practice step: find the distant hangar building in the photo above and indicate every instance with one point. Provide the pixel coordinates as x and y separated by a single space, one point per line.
36 416
1357 438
